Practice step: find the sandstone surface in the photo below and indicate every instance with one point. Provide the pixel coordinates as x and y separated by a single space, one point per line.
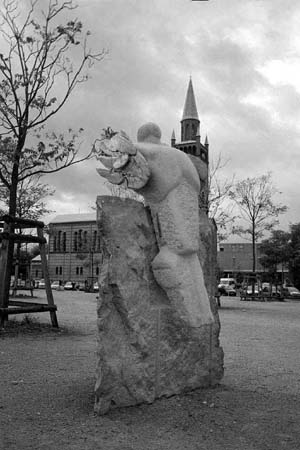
147 348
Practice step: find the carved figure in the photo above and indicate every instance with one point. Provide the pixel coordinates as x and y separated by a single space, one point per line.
170 184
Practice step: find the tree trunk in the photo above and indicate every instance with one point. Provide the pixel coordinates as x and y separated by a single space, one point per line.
8 264
253 249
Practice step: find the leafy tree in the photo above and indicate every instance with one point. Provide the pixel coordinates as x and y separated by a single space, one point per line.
294 262
37 76
31 196
275 250
31 204
254 198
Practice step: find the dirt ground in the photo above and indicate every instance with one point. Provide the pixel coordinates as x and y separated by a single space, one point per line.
47 382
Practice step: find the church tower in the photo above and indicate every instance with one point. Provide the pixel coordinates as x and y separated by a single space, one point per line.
191 143
190 123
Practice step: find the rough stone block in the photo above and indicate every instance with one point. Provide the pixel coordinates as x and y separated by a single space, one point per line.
146 348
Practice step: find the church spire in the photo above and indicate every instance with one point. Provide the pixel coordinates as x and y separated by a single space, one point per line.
190 108
190 123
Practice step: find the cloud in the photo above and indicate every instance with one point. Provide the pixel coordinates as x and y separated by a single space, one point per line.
244 61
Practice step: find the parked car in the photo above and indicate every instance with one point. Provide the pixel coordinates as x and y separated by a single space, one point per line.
226 282
271 289
250 290
69 286
80 286
230 291
40 284
227 290
291 292
96 287
55 285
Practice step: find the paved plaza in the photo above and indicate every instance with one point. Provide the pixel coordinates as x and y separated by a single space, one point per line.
47 382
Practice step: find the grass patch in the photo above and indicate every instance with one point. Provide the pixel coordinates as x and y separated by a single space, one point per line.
28 325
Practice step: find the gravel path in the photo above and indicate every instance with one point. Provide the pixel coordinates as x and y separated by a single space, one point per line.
47 381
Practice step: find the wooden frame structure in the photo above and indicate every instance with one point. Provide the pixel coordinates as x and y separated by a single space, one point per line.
8 306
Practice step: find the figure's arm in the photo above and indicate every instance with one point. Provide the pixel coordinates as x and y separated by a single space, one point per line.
124 165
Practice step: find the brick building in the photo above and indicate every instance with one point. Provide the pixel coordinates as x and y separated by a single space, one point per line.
237 258
74 248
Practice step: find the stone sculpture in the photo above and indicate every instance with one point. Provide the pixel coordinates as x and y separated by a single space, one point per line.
170 184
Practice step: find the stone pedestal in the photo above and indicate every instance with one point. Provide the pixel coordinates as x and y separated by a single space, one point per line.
146 349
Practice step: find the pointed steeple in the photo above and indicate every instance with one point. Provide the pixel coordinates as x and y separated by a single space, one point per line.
190 108
190 122
173 139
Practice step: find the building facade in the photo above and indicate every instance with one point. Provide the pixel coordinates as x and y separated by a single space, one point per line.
237 259
74 252
36 270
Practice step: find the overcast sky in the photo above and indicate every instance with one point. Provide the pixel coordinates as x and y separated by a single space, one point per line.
244 59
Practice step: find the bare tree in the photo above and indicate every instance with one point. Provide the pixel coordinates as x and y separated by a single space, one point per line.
220 206
37 76
254 198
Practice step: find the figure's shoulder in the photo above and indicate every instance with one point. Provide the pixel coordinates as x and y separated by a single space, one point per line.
160 151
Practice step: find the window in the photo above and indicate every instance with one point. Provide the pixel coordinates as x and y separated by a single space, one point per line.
59 241
97 270
56 270
64 241
85 240
221 249
187 130
193 131
55 244
75 242
60 270
80 240
77 270
94 239
81 270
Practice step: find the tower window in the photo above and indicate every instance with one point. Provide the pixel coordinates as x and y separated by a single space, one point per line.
187 130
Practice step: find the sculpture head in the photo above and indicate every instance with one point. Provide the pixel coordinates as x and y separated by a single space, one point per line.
150 132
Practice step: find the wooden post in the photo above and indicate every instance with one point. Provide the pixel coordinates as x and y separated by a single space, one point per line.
7 238
47 278
3 263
